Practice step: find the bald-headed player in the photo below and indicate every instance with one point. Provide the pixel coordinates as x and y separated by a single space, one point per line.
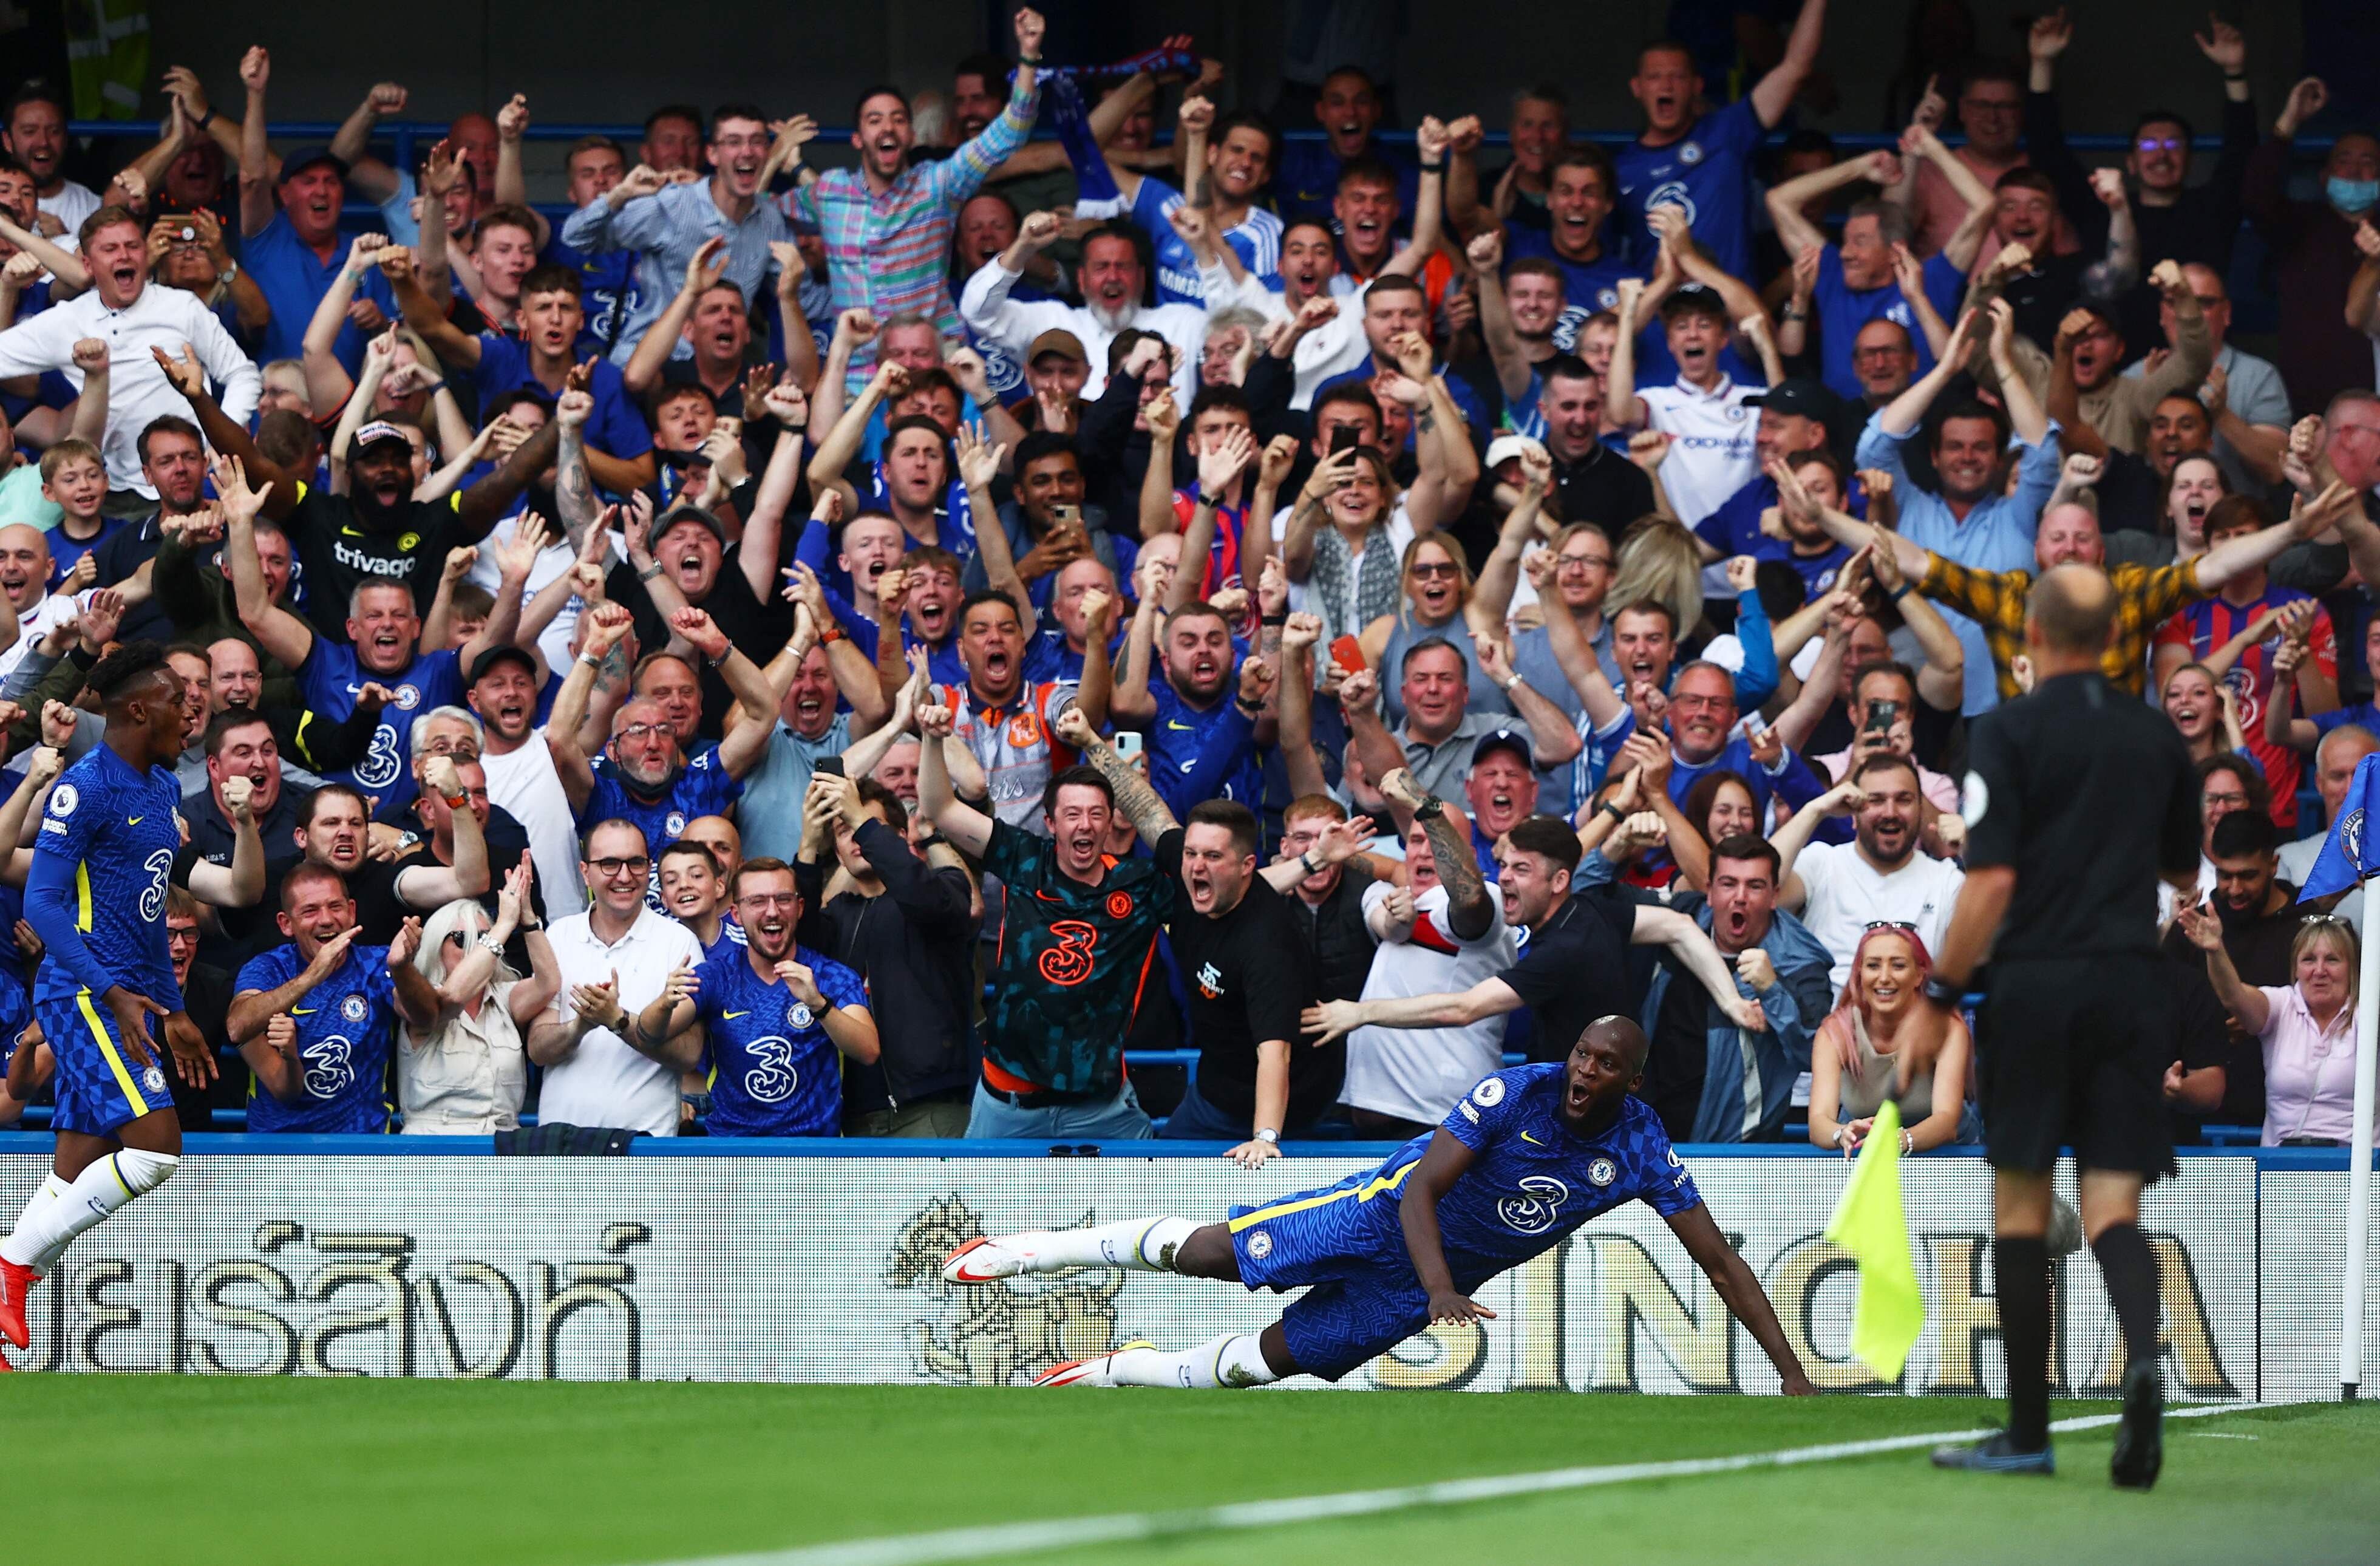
1527 1157
2077 798
96 896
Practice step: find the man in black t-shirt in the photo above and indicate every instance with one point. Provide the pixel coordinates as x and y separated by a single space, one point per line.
689 564
377 530
1573 967
1243 971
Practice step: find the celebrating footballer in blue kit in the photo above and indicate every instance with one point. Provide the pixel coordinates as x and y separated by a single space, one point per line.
96 897
1527 1157
775 1017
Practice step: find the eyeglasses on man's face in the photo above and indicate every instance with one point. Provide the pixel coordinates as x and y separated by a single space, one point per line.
615 868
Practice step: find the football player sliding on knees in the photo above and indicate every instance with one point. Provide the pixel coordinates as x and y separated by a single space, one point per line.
1527 1157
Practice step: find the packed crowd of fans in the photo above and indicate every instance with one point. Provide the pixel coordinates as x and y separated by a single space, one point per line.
798 650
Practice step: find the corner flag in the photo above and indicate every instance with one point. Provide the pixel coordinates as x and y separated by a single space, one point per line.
1869 1223
2347 855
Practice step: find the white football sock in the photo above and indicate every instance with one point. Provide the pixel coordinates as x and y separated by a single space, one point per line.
47 1262
1232 1360
1141 1244
48 1192
42 1232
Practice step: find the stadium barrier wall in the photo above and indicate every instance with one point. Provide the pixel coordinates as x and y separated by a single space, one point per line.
825 1269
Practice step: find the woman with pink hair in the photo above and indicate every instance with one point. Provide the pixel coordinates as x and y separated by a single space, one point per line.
1852 1068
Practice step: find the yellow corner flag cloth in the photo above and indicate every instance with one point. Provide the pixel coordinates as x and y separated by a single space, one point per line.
1869 1223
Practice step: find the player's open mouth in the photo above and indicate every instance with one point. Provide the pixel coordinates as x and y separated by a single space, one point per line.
1664 104
1576 1098
1366 228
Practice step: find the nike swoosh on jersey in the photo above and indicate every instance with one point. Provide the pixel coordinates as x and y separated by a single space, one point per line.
1527 1137
1171 724
303 1011
131 820
730 1016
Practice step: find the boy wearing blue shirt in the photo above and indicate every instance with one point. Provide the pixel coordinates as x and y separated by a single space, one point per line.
316 1019
774 1018
1523 1160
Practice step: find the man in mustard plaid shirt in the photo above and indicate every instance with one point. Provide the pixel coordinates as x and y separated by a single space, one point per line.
2069 533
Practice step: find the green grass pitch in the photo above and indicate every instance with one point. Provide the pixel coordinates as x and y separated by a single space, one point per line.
203 1470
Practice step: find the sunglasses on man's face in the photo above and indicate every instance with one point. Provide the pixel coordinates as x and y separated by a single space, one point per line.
2161 144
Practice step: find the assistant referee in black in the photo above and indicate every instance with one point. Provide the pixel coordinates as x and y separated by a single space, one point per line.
2078 798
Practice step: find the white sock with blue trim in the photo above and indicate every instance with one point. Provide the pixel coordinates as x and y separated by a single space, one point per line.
50 1190
1232 1360
45 1229
1140 1245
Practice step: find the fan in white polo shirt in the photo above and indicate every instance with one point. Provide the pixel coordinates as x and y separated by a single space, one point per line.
1710 429
1841 890
600 1069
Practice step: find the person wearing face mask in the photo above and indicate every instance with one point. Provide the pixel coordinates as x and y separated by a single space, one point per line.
2314 247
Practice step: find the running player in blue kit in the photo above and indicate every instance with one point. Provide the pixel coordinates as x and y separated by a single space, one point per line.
96 896
1527 1156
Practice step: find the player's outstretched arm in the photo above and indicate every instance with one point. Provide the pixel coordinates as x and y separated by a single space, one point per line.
1739 1290
1442 1163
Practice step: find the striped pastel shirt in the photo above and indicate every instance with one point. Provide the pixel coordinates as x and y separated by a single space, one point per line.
890 250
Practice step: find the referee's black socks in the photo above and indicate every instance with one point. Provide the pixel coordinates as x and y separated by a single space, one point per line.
2023 1266
2130 1271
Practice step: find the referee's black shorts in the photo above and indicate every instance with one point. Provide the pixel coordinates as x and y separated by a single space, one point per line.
2073 1051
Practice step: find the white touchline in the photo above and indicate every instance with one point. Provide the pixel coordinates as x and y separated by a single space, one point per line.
1072 1532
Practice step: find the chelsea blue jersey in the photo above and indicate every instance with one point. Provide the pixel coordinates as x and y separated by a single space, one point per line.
346 1024
1532 1180
703 789
1709 173
331 679
775 1072
96 894
1196 755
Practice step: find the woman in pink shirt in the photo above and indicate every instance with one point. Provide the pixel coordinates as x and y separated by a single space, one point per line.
2307 1028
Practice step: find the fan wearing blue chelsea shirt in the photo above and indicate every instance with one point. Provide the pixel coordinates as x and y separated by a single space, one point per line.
774 1017
619 447
644 774
1703 164
315 1019
1525 1158
1202 733
385 634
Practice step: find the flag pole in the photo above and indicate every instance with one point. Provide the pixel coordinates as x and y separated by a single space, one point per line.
2359 1177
